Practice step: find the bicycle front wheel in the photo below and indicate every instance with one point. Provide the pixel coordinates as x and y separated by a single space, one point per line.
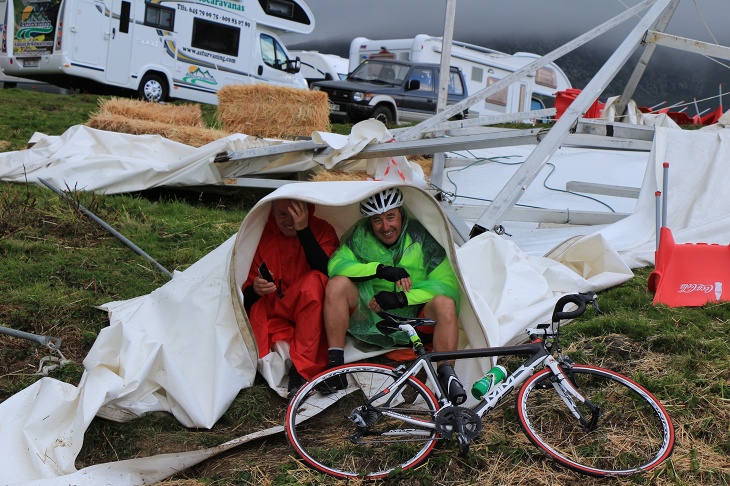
368 428
628 432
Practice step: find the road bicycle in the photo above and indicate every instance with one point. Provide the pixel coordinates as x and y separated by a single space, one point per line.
370 420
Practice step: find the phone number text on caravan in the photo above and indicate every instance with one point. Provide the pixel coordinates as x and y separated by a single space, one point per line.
212 15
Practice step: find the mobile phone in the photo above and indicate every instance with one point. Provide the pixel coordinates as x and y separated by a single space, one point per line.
264 272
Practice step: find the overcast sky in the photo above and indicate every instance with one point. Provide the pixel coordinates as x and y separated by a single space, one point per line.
347 19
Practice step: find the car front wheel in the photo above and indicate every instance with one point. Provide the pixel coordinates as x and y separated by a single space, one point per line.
384 115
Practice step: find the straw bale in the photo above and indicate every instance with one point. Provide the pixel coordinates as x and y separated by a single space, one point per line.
361 175
185 114
338 176
272 111
194 136
426 164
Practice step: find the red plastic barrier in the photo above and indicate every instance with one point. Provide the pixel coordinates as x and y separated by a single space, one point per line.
680 117
564 98
711 118
690 274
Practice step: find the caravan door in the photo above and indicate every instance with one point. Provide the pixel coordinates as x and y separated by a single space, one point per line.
87 41
119 50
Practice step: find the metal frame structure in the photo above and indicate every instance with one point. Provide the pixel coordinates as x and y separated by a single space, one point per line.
437 135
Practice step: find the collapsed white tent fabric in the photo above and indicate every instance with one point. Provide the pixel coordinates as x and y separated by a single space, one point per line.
187 349
697 200
87 159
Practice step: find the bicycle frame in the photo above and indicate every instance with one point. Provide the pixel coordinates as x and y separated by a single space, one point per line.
539 357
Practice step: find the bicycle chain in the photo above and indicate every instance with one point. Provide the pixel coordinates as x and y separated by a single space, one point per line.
464 421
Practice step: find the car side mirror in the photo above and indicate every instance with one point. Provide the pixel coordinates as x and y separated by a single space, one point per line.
293 66
413 85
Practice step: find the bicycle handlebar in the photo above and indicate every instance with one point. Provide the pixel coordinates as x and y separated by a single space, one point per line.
578 299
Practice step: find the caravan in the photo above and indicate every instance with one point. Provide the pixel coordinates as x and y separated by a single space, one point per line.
160 49
317 66
482 67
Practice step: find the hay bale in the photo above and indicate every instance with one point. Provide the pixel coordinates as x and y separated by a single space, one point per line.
425 162
360 175
195 136
338 176
272 111
188 115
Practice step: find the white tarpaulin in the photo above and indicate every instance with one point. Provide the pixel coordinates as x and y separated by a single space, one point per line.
87 159
186 348
697 199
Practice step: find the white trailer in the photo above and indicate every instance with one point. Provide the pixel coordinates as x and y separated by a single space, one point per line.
160 49
481 66
317 66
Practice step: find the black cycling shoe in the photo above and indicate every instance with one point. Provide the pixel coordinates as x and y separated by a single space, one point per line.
335 358
453 387
295 381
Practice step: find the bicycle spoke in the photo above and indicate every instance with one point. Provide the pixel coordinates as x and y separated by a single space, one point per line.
632 431
352 435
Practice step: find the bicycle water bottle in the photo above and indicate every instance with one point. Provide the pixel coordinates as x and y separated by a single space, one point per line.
489 381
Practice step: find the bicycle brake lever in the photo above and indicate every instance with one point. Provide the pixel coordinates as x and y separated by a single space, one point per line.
595 306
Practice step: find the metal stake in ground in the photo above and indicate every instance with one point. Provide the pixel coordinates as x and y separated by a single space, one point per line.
104 225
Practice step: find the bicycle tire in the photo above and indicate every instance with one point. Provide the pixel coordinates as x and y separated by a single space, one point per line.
633 433
319 430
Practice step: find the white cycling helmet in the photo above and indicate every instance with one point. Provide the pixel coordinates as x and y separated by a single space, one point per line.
382 202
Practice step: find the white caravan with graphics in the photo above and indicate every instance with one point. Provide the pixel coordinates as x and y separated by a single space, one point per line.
482 67
160 49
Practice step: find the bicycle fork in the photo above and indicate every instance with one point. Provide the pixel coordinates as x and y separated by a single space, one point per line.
569 393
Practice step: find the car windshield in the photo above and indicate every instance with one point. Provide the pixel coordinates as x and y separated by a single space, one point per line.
380 72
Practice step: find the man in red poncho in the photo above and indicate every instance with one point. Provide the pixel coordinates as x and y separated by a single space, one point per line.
295 246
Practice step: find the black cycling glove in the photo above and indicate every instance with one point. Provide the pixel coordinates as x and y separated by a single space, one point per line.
391 300
391 274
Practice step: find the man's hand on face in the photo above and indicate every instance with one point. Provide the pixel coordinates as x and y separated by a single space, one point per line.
300 213
263 287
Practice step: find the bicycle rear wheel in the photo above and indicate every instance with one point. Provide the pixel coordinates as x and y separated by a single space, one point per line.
633 432
346 434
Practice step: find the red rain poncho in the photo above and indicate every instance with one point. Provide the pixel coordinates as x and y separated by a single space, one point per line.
297 316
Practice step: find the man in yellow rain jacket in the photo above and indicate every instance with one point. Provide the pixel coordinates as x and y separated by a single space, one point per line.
389 261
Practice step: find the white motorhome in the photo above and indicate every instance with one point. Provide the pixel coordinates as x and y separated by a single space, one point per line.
317 66
482 67
160 49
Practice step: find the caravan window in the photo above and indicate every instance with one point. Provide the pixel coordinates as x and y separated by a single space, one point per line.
273 53
546 76
498 98
215 37
159 17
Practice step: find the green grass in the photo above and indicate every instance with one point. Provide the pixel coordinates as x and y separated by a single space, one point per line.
56 265
26 112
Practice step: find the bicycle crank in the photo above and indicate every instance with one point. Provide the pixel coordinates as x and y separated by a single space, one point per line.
458 420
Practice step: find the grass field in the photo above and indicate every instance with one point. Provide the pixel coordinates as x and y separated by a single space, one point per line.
57 265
